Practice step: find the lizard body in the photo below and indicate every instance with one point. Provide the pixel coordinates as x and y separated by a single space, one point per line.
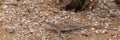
69 27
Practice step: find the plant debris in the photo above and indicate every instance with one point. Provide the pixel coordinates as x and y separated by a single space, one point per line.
79 5
117 2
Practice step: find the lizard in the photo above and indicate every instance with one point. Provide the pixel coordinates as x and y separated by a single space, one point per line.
71 27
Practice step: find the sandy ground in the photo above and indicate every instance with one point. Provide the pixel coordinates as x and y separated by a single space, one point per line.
23 20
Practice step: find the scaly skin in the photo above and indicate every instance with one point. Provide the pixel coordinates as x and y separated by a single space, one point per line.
69 27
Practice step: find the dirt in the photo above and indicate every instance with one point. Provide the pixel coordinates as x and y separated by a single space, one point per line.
24 20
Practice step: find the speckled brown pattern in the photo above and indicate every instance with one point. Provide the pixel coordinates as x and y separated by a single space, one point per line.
24 20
